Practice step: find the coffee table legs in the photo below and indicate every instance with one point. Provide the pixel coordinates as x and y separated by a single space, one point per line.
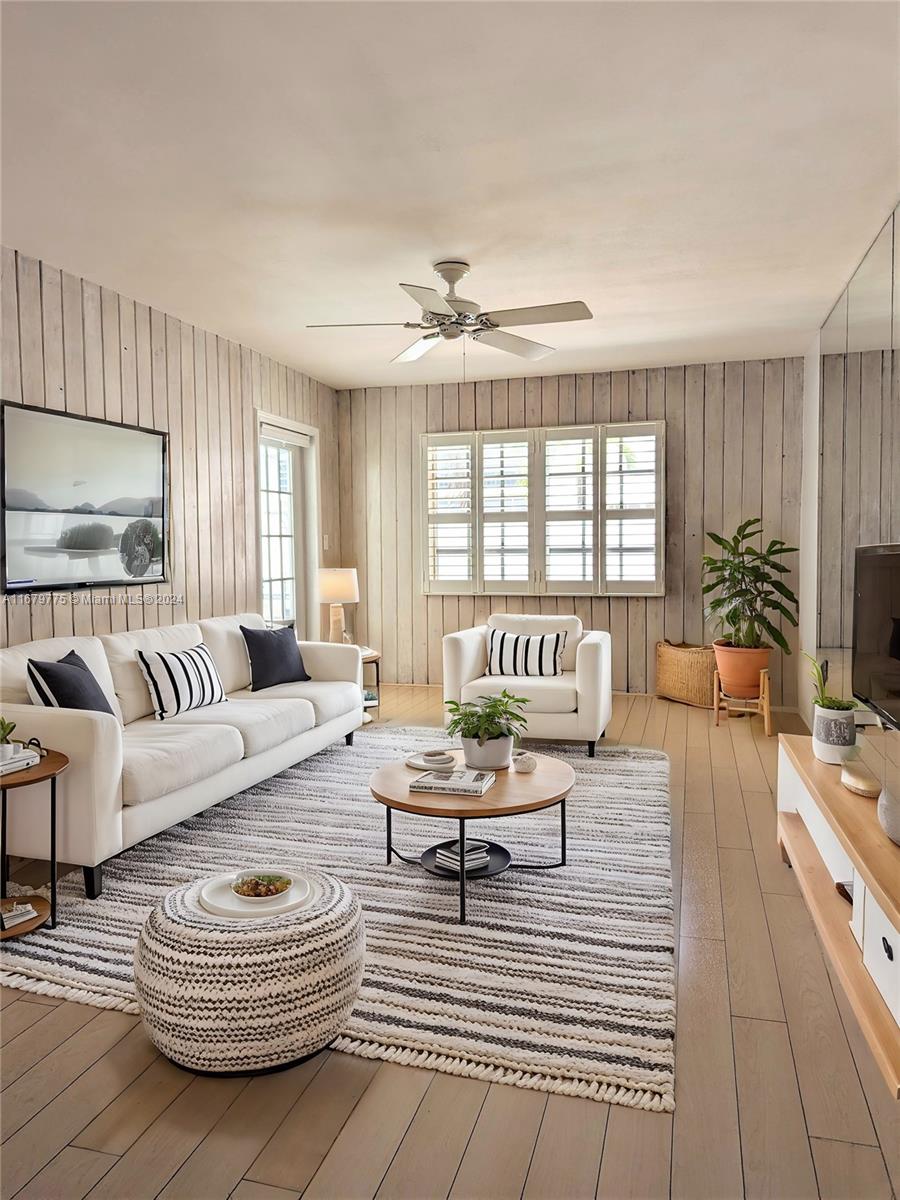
562 848
387 809
462 871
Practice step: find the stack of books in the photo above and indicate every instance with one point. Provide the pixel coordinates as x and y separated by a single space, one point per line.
456 783
24 757
476 856
12 914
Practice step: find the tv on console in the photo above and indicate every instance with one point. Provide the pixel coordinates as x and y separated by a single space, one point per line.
876 630
82 504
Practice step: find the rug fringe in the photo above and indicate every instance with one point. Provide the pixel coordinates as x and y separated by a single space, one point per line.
59 991
609 1093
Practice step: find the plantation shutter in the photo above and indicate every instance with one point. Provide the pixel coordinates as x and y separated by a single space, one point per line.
632 513
448 504
505 521
569 471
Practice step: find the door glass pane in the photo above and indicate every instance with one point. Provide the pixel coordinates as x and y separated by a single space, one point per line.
277 542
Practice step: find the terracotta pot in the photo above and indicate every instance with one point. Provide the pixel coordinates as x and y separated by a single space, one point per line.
739 669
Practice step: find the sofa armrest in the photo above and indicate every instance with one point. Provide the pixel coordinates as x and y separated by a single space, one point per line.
89 804
465 659
332 661
593 682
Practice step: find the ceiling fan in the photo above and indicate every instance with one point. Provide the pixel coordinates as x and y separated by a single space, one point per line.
446 318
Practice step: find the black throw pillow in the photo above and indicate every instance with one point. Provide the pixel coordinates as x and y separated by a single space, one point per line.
274 657
65 684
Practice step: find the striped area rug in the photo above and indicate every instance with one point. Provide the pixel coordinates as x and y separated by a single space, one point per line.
561 981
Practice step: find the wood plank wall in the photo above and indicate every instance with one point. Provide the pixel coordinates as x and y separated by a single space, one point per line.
733 451
71 345
859 479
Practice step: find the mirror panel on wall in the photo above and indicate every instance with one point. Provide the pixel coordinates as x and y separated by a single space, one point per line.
859 476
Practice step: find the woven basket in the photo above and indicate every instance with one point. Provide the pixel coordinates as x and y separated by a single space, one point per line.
685 673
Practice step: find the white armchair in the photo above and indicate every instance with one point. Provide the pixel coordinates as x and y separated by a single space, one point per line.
575 706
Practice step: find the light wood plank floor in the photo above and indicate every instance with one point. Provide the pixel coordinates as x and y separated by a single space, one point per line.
776 1092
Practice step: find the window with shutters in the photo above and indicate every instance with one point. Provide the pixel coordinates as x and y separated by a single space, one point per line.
565 511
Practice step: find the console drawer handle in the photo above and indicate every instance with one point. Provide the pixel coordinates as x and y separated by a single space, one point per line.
888 949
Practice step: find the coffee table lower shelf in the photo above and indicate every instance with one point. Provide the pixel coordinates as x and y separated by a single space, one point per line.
500 859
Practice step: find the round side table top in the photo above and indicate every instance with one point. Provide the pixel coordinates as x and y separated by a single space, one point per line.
52 764
512 792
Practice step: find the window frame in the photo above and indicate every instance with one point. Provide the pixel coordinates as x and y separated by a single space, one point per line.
537 583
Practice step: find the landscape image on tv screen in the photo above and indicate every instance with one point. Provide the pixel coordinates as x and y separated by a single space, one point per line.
83 502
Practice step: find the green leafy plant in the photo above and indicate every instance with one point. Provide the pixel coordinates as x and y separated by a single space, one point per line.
488 717
750 588
6 731
823 699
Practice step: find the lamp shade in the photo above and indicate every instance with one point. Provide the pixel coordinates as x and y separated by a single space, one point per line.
338 585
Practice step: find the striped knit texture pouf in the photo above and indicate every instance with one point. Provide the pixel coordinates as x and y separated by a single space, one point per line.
224 995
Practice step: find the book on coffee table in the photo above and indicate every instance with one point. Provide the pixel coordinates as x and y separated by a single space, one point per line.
457 783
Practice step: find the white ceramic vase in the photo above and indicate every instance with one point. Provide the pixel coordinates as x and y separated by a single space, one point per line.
834 734
889 814
7 750
494 755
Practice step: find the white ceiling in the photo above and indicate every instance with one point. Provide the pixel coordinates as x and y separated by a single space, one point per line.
706 176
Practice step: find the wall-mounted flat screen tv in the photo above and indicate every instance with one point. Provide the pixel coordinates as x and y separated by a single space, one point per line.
83 502
876 630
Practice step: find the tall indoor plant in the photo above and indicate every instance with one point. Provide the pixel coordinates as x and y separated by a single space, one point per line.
749 594
488 727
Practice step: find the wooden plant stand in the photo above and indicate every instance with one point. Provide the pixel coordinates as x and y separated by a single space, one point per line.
760 704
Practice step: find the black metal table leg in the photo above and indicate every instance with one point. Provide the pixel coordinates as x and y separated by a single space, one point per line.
562 832
53 852
4 865
462 871
387 809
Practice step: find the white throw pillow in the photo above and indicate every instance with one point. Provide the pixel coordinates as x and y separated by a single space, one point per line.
519 654
180 680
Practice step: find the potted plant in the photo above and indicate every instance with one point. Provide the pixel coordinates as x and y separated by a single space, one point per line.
488 728
834 724
750 595
7 748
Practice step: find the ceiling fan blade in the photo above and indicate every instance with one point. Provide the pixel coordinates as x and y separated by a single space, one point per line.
369 325
515 345
541 314
428 299
417 349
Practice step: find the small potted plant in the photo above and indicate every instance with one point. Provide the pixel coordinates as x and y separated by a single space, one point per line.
834 724
751 595
7 746
488 728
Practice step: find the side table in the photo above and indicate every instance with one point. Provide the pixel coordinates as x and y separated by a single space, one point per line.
373 658
50 766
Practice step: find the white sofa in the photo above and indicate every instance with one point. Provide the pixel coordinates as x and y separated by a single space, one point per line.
575 706
131 776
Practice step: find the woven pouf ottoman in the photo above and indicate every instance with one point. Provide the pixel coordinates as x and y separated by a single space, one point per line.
230 995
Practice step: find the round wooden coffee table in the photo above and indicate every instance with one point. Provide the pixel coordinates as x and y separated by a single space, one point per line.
512 793
53 763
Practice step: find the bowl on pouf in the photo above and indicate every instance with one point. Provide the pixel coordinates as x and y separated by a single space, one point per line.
230 995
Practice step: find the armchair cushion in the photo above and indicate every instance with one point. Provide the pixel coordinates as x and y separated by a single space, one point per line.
547 694
531 624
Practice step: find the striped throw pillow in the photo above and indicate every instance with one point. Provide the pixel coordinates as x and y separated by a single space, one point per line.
180 680
518 654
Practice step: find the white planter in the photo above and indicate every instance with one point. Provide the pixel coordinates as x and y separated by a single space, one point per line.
7 750
889 814
494 755
834 734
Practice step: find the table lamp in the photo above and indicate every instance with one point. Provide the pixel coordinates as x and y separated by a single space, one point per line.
338 586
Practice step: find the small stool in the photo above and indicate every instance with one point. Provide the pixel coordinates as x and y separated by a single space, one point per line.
758 704
232 995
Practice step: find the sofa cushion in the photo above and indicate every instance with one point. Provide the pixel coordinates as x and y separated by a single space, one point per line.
261 724
530 624
121 652
329 698
179 680
228 648
548 694
68 683
159 758
14 666
274 657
